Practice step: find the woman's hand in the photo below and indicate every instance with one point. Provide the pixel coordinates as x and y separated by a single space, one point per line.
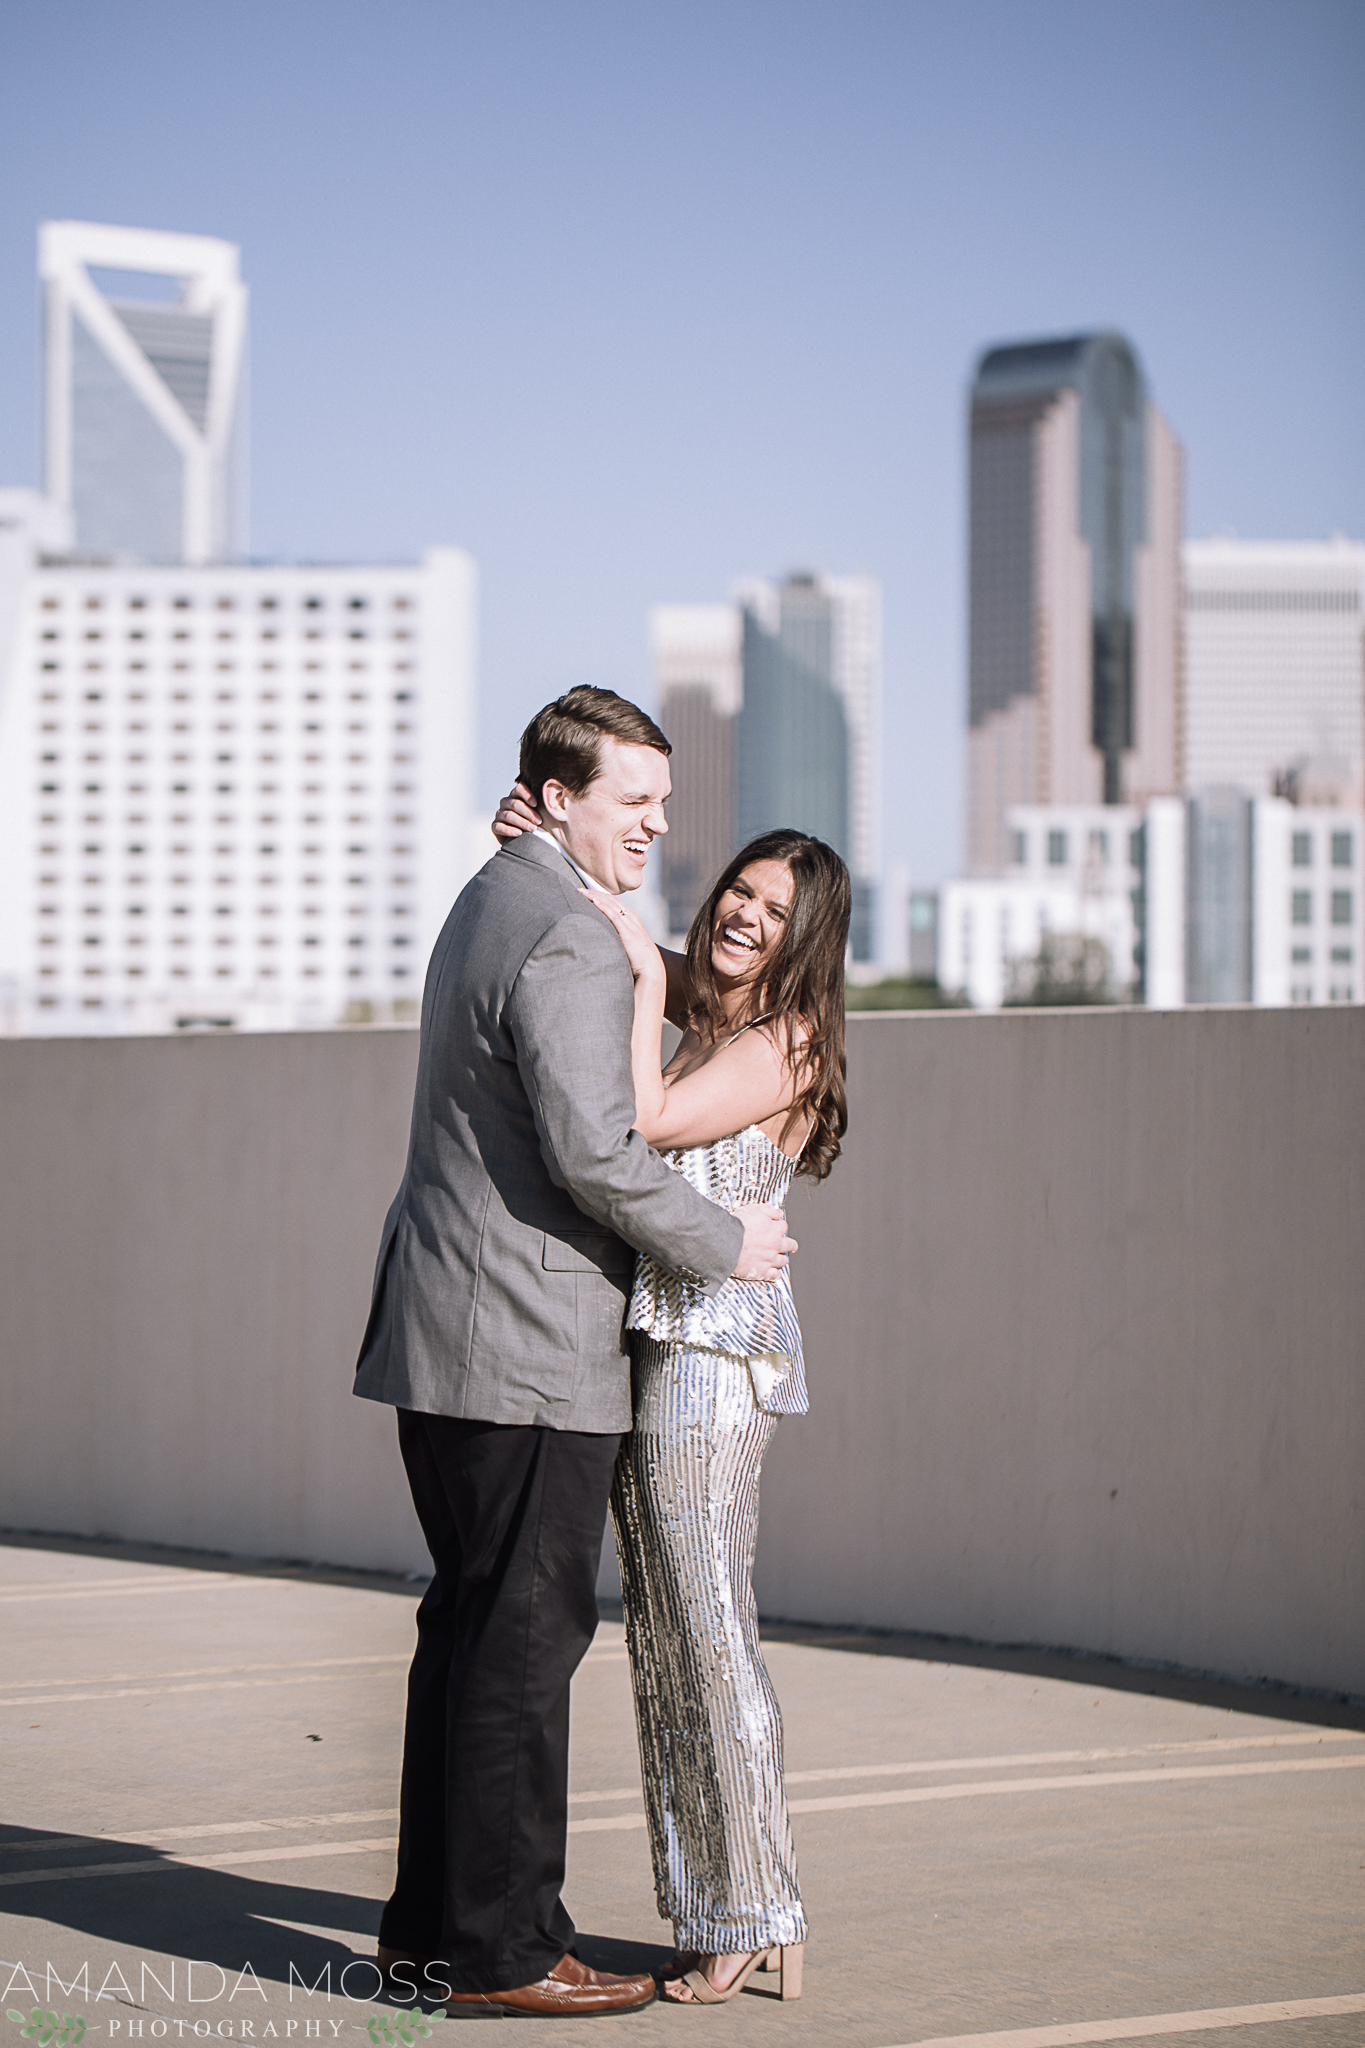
516 814
651 989
646 961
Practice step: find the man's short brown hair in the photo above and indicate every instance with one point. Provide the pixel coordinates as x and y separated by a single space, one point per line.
563 743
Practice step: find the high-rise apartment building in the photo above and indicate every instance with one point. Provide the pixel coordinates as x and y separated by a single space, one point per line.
1074 662
1275 668
239 793
145 391
773 705
700 681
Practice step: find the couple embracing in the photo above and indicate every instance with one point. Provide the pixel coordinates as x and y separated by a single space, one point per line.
565 1197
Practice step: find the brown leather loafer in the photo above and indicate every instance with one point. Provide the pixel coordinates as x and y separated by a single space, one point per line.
571 1991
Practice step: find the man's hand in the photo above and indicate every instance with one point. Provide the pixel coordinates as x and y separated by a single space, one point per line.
516 814
766 1246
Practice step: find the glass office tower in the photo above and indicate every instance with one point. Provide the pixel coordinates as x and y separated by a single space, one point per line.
1074 585
810 726
773 705
793 738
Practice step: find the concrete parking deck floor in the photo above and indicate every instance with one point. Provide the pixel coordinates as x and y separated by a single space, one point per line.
200 1772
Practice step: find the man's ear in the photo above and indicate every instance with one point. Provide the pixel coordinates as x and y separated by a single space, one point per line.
554 802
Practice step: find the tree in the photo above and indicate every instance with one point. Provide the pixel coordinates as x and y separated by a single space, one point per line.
1068 970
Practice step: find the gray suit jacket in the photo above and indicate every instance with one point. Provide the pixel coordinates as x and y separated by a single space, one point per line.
505 1261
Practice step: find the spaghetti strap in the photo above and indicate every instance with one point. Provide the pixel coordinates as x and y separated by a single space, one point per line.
766 1018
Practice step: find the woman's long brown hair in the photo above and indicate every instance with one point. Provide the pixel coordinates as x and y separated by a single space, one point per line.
804 985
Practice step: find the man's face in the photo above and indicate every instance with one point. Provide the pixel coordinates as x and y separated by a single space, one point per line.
609 829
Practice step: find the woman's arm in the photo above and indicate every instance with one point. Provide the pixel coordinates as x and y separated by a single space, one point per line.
741 1084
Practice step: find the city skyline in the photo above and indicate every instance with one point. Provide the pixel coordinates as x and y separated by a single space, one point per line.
557 296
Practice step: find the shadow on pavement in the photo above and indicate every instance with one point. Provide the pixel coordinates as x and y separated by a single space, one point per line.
191 1915
118 1552
185 1911
1268 1697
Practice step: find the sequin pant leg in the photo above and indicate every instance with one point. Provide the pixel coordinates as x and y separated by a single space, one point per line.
685 1508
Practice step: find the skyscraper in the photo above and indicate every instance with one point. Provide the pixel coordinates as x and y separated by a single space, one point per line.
697 671
145 391
773 705
1074 586
809 727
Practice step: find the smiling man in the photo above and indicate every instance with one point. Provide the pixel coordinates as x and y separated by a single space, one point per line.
496 1331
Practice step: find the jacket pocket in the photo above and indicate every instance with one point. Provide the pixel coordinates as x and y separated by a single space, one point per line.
586 1251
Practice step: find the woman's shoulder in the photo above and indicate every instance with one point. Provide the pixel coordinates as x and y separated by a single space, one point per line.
786 1031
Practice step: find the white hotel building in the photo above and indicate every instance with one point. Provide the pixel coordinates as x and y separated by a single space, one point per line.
230 793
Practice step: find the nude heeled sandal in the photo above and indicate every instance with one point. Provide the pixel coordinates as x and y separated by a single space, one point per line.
786 1961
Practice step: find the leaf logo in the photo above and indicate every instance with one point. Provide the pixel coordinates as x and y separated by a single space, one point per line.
387 2028
47 2028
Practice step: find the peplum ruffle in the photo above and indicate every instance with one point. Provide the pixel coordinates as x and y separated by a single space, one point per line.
750 1320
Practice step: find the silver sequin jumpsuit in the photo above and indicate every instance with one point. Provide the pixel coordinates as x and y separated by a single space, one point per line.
710 1378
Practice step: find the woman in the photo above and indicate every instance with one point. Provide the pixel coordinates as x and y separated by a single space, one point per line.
753 1095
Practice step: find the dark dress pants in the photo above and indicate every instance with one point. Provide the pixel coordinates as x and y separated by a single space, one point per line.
513 1518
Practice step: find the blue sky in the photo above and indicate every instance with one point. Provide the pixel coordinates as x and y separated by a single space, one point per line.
631 298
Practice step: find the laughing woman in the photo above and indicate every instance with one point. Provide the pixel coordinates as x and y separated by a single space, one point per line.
753 1095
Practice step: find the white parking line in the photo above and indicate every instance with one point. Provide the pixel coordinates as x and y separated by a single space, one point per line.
1147 2026
609 1824
155 1838
202 1582
976 1788
1076 1756
151 1692
629 1822
1078 1781
40 1589
146 1866
212 1679
146 1678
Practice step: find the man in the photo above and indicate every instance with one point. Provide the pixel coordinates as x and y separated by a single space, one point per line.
496 1331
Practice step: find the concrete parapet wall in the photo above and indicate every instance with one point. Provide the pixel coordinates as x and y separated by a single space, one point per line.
1084 1306
1084 1311
188 1230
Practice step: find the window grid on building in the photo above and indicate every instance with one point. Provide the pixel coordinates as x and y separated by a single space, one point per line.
223 786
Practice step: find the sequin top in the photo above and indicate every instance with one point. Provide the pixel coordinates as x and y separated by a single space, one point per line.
750 1319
